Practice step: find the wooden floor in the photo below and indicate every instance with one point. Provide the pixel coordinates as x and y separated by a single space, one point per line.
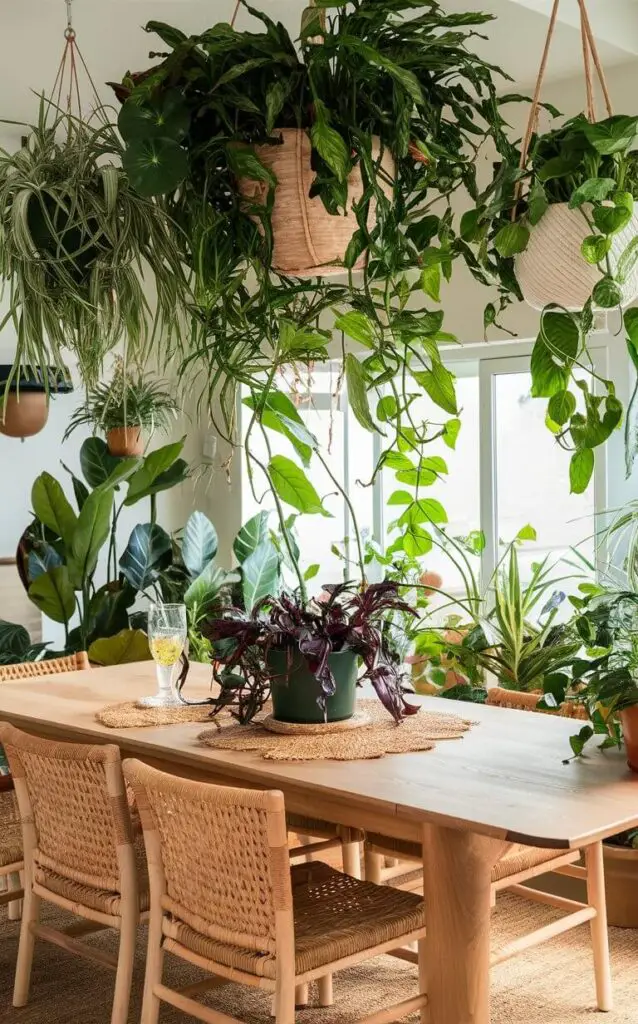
552 985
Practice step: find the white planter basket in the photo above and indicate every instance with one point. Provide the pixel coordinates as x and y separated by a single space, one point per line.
553 269
308 239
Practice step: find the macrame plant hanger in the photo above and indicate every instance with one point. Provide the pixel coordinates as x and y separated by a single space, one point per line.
590 54
65 96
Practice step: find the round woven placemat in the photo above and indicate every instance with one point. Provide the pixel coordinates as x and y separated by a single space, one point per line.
129 715
381 736
360 720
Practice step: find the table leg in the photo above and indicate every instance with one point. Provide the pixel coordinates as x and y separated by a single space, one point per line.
457 868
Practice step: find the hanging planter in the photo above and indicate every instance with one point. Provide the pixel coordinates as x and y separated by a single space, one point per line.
307 239
25 405
552 269
125 442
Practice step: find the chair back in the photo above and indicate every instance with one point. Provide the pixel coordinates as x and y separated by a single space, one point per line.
217 856
73 807
31 669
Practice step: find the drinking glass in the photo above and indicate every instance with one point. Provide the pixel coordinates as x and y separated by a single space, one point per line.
166 640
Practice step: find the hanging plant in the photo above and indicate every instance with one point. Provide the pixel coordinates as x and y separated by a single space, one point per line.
78 244
557 227
123 409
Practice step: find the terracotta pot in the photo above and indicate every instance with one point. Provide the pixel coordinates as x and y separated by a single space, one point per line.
24 414
307 239
125 442
621 884
629 723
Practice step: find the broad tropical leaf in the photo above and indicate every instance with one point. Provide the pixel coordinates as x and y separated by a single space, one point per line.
199 543
260 575
148 551
125 647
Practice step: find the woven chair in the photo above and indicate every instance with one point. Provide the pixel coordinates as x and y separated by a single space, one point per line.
10 829
79 853
54 666
225 898
518 865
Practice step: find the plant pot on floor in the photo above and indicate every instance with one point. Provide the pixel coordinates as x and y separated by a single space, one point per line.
125 442
295 690
306 238
552 267
25 410
629 723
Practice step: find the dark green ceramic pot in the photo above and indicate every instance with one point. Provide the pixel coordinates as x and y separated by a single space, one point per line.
295 691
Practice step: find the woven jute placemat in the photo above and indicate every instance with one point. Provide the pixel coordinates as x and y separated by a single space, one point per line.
381 736
129 715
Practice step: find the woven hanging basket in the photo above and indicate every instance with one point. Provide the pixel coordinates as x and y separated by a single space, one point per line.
307 240
552 267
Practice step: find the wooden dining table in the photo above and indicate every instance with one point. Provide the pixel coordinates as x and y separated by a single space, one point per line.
505 781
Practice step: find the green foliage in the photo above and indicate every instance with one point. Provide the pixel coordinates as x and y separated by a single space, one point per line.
16 646
132 398
124 647
74 235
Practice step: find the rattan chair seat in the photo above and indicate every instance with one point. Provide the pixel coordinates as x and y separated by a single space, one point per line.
518 858
335 916
10 831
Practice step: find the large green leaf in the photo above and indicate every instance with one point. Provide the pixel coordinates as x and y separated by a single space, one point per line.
401 75
615 135
278 413
548 376
53 508
155 166
252 534
357 326
203 595
148 551
154 468
293 486
92 531
108 609
590 190
260 574
96 461
329 144
511 239
14 639
199 543
581 468
357 392
561 335
53 594
125 647
165 116
438 383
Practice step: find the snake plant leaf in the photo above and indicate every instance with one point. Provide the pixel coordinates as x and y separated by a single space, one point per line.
251 535
148 551
90 535
155 166
260 574
53 508
54 595
199 543
164 116
125 647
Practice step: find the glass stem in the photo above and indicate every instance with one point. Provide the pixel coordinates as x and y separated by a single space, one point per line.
165 681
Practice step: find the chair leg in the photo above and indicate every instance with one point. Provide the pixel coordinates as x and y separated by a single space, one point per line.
30 916
284 1002
326 997
14 912
301 995
599 935
423 985
124 974
154 967
351 854
373 866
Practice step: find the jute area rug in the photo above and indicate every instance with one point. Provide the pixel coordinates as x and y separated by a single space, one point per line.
552 984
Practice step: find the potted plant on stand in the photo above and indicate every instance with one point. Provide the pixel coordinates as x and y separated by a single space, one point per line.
132 404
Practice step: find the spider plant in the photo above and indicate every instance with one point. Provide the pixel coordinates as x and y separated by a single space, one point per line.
131 398
76 243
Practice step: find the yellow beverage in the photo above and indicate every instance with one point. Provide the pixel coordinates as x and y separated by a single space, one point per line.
166 650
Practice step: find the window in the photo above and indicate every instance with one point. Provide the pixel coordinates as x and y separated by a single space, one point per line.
506 471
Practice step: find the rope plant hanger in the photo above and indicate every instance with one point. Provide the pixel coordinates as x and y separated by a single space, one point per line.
77 240
554 267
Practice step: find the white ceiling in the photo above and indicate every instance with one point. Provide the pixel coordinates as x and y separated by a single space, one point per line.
112 41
